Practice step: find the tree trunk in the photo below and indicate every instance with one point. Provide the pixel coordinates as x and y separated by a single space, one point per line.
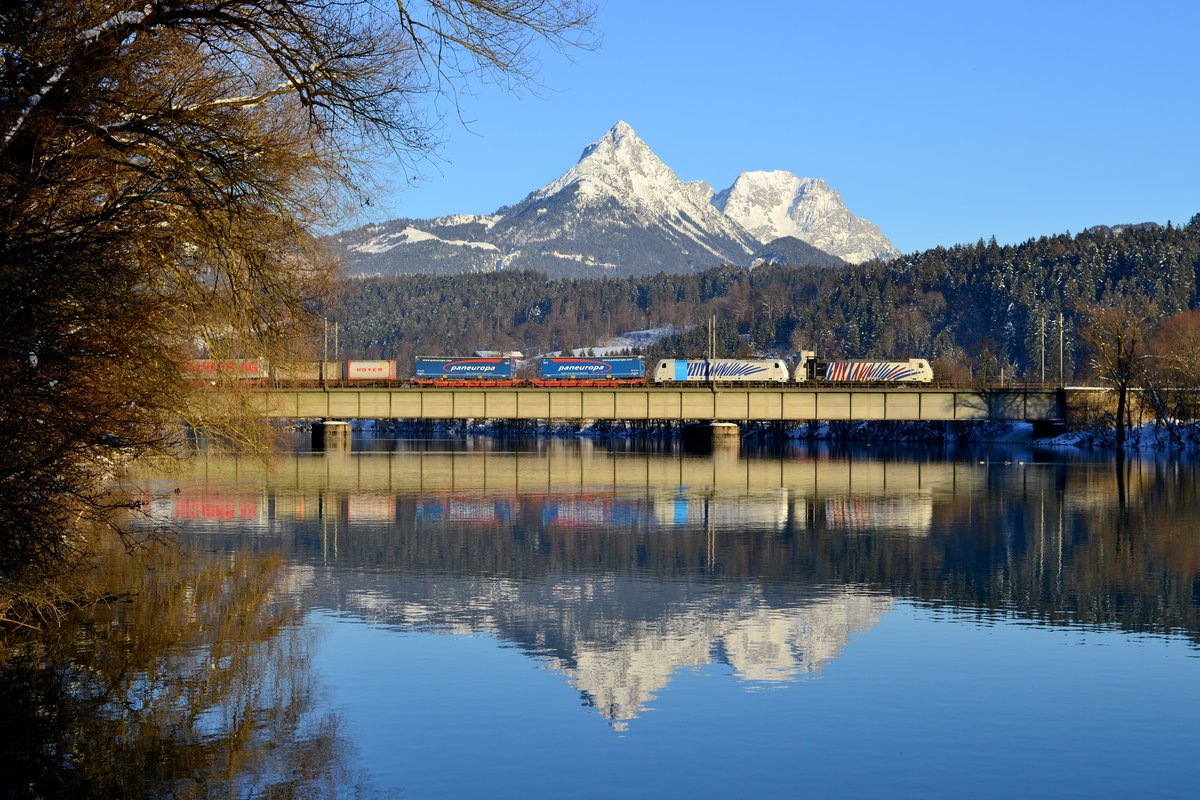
1122 391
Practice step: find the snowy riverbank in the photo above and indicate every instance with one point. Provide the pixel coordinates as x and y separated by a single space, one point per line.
1147 437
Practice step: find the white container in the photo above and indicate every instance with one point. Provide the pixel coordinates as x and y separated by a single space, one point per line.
371 370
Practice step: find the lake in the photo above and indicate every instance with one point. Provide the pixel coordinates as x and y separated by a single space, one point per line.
480 618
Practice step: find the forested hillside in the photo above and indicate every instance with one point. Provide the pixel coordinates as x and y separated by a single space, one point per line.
981 305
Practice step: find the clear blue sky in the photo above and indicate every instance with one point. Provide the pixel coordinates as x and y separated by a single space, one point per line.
942 122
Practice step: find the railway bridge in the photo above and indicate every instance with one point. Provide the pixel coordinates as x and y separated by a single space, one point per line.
788 403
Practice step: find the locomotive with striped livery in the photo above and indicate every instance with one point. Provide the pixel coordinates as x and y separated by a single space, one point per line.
721 370
810 368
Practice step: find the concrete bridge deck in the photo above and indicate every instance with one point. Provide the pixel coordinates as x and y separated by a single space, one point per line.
727 404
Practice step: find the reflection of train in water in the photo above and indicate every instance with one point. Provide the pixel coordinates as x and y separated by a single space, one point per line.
579 371
765 509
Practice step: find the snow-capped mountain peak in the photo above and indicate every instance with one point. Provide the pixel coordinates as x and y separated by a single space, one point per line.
772 205
761 202
619 192
619 163
619 210
620 135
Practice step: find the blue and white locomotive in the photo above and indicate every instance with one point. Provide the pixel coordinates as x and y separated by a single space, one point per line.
720 370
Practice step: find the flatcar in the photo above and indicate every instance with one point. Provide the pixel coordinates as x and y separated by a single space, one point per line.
359 371
226 368
441 369
810 368
721 370
580 371
306 373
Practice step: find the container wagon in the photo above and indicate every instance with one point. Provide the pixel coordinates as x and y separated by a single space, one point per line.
306 373
576 370
226 368
371 371
443 369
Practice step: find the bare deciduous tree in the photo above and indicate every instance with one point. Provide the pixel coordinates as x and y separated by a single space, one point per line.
1173 377
1116 339
162 163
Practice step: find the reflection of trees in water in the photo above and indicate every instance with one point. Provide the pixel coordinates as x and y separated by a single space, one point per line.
198 686
1067 548
769 568
1052 542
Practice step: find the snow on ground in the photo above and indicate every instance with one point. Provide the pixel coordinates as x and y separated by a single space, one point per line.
488 221
601 351
411 235
589 260
1015 440
646 337
1146 437
630 340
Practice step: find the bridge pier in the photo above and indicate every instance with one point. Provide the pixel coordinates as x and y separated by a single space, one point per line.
330 434
706 435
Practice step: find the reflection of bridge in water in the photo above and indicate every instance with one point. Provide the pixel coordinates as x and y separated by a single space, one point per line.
576 465
618 638
580 484
770 568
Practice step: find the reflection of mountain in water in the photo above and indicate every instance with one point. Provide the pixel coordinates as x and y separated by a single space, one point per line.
620 569
618 639
759 643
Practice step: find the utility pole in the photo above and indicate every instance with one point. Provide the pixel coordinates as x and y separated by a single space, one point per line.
712 345
1062 380
1043 350
324 354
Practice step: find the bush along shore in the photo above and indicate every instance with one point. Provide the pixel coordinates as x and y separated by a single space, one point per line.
1161 436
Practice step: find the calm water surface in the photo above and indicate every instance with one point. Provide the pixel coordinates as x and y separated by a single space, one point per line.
482 619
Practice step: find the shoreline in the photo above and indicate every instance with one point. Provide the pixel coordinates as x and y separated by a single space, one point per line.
1148 437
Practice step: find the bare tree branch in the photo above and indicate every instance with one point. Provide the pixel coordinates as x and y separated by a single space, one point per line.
162 163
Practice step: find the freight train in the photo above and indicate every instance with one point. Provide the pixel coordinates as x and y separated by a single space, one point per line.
578 371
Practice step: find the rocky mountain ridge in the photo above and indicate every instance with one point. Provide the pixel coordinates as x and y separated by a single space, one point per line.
773 205
621 211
